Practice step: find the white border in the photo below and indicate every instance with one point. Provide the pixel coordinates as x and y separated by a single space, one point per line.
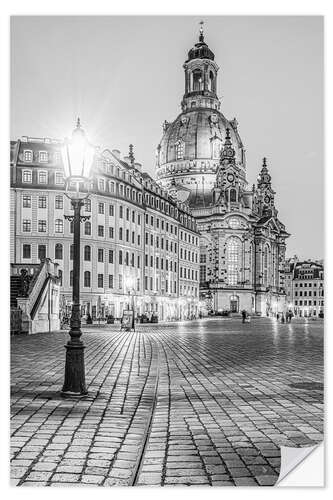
144 7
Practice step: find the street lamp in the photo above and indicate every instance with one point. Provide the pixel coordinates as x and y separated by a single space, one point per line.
77 156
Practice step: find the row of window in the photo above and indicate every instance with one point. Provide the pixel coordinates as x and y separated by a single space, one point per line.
59 204
169 287
189 274
301 285
124 258
43 156
188 255
309 293
100 280
42 177
309 302
159 263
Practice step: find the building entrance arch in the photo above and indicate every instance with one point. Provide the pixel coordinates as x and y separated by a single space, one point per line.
234 304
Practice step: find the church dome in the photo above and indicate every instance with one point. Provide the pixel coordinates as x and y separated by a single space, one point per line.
197 134
189 151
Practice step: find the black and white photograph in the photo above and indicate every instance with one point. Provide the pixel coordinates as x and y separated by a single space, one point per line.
166 217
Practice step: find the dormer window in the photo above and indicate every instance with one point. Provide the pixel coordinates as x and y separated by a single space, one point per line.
43 157
27 156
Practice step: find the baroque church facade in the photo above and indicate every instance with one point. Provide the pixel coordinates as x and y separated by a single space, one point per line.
201 161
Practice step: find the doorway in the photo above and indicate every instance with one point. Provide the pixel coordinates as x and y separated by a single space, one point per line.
234 304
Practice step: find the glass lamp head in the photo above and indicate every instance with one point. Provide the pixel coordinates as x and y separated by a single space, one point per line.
78 156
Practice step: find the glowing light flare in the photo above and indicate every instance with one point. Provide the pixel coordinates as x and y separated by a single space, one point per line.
77 156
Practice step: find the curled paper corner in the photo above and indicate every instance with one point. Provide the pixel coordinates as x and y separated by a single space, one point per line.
296 471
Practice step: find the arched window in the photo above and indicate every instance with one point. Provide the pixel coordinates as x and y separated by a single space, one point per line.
87 228
180 147
87 252
58 251
86 279
234 247
251 264
216 148
211 82
266 258
197 80
233 195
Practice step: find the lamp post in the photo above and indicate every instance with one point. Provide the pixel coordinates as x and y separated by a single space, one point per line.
130 285
78 156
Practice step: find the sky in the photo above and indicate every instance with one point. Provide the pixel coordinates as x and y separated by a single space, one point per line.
123 76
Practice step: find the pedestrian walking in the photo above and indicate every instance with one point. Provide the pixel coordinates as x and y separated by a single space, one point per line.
283 318
243 316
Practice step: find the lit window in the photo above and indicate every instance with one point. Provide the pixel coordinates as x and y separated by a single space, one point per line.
42 177
27 176
59 202
26 225
42 226
27 156
41 201
233 260
26 201
87 205
43 157
59 226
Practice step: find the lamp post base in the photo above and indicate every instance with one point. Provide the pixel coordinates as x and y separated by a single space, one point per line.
75 384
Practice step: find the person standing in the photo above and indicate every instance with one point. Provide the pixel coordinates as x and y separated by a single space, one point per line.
243 316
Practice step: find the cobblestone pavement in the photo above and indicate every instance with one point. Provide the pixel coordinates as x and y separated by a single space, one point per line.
205 402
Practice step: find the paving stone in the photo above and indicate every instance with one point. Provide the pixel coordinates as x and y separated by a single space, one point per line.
231 406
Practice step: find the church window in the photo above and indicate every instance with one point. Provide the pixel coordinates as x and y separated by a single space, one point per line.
197 80
233 260
233 195
266 265
211 83
180 147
